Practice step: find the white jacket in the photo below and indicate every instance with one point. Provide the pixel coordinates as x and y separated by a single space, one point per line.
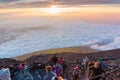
5 74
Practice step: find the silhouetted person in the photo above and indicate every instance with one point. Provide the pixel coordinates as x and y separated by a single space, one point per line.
54 59
97 71
50 74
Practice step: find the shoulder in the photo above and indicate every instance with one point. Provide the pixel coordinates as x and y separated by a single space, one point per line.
53 73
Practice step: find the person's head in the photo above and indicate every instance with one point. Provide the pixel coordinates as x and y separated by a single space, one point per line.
48 69
96 65
5 66
77 68
55 54
77 60
1 67
61 57
25 62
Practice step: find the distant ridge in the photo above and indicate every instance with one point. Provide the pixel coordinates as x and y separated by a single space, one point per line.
69 56
77 49
73 54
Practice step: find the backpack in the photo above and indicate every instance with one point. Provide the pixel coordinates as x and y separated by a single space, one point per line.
57 70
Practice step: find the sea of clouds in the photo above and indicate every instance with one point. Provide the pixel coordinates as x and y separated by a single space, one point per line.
28 35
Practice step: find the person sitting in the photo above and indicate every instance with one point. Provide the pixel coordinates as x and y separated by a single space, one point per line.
4 73
58 69
97 71
60 60
54 59
76 73
50 74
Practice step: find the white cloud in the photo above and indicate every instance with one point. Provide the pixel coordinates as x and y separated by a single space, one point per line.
57 34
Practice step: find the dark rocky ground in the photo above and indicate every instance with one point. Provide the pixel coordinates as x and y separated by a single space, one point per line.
68 56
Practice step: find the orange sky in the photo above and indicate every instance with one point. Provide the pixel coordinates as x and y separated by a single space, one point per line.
95 14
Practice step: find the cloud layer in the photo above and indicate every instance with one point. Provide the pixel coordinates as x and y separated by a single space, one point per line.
58 34
39 3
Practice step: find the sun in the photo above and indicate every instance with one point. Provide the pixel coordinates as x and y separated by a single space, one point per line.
53 10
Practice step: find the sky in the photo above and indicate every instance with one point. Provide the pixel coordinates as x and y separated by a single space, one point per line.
102 11
39 3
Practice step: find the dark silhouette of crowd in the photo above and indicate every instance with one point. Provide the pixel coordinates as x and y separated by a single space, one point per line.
57 68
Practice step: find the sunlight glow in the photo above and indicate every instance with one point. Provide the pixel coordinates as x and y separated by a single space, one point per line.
53 10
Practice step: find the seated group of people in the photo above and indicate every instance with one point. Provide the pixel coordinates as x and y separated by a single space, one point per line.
95 70
56 69
25 71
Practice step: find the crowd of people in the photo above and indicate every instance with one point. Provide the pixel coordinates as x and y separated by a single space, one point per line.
97 69
103 68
